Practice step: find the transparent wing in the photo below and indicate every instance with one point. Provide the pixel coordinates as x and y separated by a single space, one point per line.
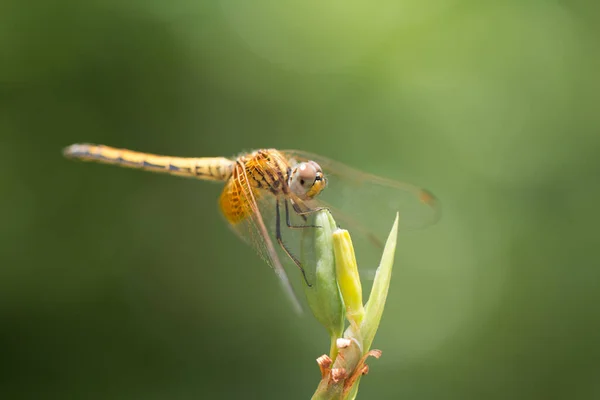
256 224
366 204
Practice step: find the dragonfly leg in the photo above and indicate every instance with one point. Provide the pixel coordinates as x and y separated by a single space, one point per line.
309 211
289 223
283 246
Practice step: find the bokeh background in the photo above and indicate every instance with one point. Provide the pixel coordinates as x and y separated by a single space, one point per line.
121 284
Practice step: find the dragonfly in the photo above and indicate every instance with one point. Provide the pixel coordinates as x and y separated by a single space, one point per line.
269 194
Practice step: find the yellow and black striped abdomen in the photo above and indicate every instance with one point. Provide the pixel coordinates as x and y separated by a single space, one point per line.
206 168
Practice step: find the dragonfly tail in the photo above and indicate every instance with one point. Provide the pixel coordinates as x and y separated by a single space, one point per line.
206 168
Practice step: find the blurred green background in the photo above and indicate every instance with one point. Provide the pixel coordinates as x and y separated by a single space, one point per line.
121 284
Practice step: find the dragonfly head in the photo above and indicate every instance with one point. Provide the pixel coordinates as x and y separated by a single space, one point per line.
307 180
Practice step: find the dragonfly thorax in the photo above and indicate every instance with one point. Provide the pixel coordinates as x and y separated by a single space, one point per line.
306 180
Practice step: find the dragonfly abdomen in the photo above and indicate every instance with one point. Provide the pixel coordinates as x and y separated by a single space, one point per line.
206 168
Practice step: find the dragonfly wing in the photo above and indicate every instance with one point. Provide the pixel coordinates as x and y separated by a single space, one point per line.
366 204
248 223
355 192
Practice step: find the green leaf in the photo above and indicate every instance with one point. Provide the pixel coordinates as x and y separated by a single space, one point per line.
379 291
324 298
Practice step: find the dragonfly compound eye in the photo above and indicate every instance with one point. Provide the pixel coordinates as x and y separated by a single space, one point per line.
306 180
